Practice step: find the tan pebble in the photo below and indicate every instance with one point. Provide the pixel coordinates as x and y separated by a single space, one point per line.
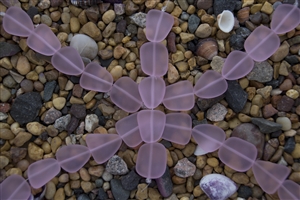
119 51
12 171
244 83
247 3
186 37
59 102
50 190
74 25
35 128
5 62
178 56
203 31
197 192
84 174
290 133
60 194
69 85
142 191
74 176
254 112
178 180
55 144
46 147
255 8
23 65
285 122
62 37
96 170
189 149
153 193
182 66
294 94
213 162
173 74
35 152
89 96
244 118
170 162
86 186
296 152
201 161
116 72
265 92
55 16
75 184
6 134
108 16
91 30
5 93
240 178
3 161
64 178
284 68
295 176
68 190
267 8
32 76
257 100
234 122
22 138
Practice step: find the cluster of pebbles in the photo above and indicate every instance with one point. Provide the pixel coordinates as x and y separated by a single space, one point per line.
42 109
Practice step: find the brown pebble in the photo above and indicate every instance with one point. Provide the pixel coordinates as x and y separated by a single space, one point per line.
269 111
286 85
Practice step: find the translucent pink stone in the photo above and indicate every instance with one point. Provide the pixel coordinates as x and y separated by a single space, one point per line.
238 154
154 59
178 128
179 96
208 137
152 91
43 40
15 187
125 94
269 175
73 157
17 22
103 146
68 61
151 160
158 25
237 65
211 84
285 18
261 43
151 124
129 131
96 78
289 190
42 171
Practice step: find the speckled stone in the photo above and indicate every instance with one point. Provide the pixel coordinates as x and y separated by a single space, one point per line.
184 168
116 166
235 96
261 72
216 113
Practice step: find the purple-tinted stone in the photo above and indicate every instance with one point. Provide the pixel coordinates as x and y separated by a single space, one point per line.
285 104
164 184
217 186
51 115
184 168
252 134
71 127
171 42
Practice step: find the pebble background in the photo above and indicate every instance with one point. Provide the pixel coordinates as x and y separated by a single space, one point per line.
42 109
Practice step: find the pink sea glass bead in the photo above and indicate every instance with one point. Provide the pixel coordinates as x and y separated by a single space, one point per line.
261 43
43 40
238 154
42 171
289 190
179 96
151 160
285 18
152 91
269 176
17 22
158 25
154 59
151 124
15 187
68 61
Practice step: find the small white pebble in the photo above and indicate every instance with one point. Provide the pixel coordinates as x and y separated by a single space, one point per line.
285 122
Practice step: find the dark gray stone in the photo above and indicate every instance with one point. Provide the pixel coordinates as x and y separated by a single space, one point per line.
83 197
102 194
243 31
8 49
26 107
32 11
292 59
235 96
266 126
118 191
237 42
193 23
289 145
205 104
244 192
250 133
78 111
164 184
99 183
121 26
261 72
220 5
72 126
131 180
256 18
48 90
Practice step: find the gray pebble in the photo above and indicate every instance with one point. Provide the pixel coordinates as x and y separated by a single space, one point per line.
261 72
118 191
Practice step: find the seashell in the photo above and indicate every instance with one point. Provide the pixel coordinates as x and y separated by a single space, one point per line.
56 3
243 14
225 21
207 48
86 3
